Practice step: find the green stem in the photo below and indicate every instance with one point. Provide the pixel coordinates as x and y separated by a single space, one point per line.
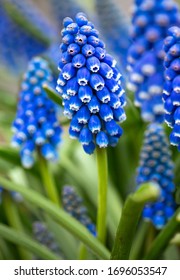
137 249
129 219
82 252
88 184
63 218
22 239
102 193
48 181
14 221
164 237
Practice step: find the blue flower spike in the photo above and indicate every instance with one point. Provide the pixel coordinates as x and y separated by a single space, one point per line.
171 93
36 125
90 85
73 204
151 21
46 238
13 34
156 165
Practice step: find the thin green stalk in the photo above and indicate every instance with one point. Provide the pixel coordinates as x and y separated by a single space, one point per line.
102 193
129 219
14 221
48 181
63 218
88 183
23 240
82 252
164 237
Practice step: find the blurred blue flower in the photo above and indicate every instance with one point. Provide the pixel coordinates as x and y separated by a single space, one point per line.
90 85
17 197
151 21
115 28
156 165
46 238
171 93
73 204
36 124
17 45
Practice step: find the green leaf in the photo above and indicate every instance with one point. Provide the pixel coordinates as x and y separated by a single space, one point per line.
64 219
52 94
129 219
25 24
25 241
164 237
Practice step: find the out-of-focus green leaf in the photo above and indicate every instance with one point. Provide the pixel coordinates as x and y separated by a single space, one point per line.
52 94
25 241
64 219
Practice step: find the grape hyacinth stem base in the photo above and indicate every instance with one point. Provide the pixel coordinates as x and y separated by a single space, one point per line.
129 219
102 193
48 181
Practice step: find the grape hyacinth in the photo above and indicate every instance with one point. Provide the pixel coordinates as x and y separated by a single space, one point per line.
34 15
171 91
46 238
114 26
36 125
156 165
73 204
90 85
12 34
151 21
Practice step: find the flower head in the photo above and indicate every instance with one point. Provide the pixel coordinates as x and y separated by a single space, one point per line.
151 21
171 91
45 237
73 204
90 85
114 26
156 165
36 125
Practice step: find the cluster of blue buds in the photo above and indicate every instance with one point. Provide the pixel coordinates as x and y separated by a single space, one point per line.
36 124
156 165
45 237
151 21
90 85
13 34
171 93
115 28
73 204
